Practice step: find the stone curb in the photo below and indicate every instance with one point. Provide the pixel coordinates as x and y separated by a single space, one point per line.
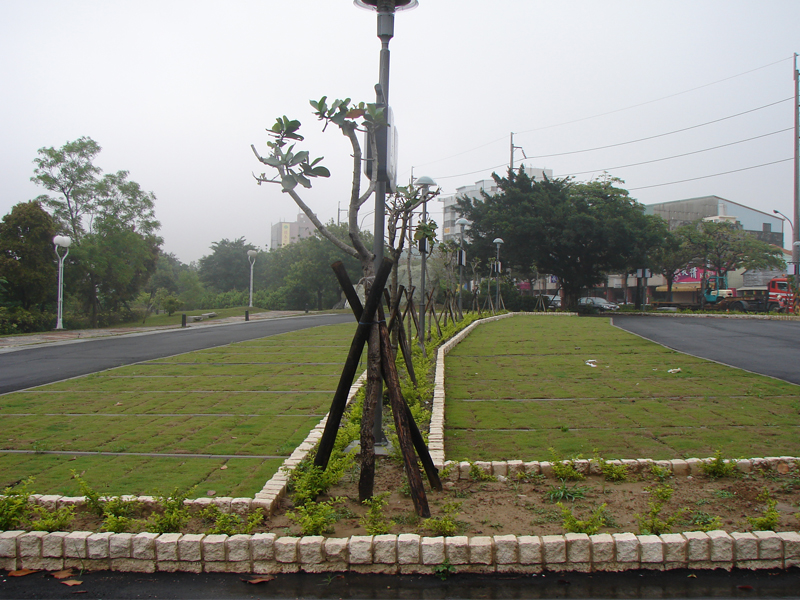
396 554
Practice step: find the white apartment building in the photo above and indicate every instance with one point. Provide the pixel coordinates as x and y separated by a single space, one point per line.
449 229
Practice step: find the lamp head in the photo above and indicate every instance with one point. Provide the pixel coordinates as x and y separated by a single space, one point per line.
425 182
498 241
398 4
62 240
252 253
462 221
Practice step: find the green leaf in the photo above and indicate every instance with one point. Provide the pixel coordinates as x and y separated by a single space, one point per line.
288 182
320 172
301 156
302 180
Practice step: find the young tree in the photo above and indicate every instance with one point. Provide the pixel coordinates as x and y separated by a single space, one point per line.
671 257
27 261
294 168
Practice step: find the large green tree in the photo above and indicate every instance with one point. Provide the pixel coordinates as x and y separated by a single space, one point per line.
27 261
110 219
724 247
227 267
578 232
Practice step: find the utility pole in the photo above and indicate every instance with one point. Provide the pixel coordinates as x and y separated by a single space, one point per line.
796 141
513 147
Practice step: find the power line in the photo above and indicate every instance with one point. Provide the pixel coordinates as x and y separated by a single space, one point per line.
625 143
647 162
645 187
652 137
611 112
601 114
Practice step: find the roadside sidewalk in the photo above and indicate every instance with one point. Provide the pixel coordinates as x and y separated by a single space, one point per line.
65 335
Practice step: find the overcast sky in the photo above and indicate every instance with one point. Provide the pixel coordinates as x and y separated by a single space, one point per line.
176 91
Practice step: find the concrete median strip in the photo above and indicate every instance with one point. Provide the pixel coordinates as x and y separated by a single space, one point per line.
406 553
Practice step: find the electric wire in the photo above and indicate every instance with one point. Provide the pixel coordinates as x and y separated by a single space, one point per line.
606 113
660 135
775 162
655 160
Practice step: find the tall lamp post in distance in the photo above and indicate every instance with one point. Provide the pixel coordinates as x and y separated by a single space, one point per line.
794 243
426 183
497 242
461 222
61 241
251 257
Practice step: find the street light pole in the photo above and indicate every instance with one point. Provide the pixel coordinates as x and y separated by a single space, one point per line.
462 222
497 242
61 241
425 183
385 10
251 257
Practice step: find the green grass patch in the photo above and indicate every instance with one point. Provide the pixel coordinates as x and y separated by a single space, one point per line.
519 386
254 399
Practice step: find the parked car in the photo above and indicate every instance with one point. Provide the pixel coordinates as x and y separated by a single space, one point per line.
599 303
553 301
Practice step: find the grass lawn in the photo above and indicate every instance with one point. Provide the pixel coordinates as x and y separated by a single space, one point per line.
256 400
519 386
164 319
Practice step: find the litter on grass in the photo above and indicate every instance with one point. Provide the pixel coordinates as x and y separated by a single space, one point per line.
674 371
591 363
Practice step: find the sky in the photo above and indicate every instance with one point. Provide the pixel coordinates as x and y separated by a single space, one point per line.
176 91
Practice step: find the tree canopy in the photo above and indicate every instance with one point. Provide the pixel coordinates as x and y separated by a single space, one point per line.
578 232
27 261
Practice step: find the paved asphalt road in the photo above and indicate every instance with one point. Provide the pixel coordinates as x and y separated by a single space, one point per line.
38 365
762 346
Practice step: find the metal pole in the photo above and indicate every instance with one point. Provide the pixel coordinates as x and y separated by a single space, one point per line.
461 271
796 227
421 336
251 257
59 322
497 280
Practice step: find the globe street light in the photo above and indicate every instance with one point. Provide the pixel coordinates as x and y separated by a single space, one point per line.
497 242
251 257
461 260
61 241
426 183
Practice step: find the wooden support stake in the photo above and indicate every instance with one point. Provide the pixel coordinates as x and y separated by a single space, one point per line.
339 402
396 320
401 424
416 436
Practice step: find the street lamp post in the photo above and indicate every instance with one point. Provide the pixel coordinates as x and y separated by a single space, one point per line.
61 241
425 183
385 10
461 222
795 245
497 242
251 257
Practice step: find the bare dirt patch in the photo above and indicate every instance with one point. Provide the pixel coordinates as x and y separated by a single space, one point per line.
526 506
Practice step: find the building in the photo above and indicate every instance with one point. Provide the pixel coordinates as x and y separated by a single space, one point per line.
766 227
488 186
284 233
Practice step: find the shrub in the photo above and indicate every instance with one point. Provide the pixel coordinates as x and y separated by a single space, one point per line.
589 526
14 505
478 474
565 469
718 467
230 523
769 520
43 519
652 523
174 513
315 518
375 521
446 524
610 471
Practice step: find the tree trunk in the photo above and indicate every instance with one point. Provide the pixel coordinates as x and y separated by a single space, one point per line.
366 481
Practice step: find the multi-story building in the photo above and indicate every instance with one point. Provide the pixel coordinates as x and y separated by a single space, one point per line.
449 230
766 227
284 233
